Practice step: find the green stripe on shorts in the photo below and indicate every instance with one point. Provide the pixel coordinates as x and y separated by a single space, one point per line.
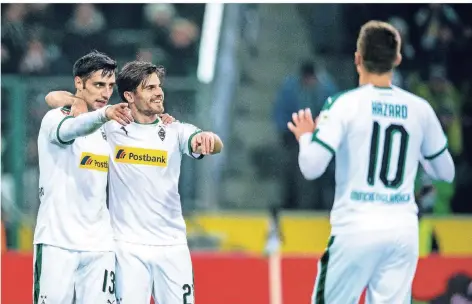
319 296
37 271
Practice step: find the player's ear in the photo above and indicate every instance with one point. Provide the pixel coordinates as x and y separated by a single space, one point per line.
398 60
129 97
357 59
79 84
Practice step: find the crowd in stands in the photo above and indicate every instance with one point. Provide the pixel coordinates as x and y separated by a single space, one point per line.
46 39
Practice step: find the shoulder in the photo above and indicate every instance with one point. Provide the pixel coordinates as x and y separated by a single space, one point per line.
413 100
344 99
55 116
181 125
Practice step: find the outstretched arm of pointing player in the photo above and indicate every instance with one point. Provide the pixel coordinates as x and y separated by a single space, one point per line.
70 129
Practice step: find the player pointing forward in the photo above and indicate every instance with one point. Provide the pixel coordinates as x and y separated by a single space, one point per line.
152 253
379 133
74 247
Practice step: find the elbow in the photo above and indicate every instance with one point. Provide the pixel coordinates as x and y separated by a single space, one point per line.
309 174
50 99
448 176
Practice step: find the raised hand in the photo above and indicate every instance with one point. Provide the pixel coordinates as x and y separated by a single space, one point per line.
302 123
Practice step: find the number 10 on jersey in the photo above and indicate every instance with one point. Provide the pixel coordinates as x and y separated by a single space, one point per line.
385 157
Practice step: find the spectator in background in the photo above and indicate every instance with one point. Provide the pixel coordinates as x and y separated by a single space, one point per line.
408 52
35 61
181 48
41 15
305 90
85 31
14 36
436 25
445 100
159 16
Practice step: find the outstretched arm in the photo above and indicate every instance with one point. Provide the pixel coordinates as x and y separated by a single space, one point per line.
69 128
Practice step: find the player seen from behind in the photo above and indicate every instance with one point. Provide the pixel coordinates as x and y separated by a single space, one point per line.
379 134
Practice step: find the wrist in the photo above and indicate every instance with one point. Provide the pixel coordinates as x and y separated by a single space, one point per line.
305 138
104 112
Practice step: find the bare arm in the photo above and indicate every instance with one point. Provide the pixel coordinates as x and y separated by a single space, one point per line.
58 99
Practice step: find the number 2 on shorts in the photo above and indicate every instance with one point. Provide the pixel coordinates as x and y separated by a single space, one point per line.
187 292
111 288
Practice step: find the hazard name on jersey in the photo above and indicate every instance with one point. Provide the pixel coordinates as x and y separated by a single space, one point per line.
139 156
93 162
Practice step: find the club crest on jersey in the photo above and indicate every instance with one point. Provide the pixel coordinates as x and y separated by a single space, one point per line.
139 156
93 162
162 133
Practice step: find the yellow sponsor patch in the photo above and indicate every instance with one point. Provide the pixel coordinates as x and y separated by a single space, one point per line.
93 162
139 156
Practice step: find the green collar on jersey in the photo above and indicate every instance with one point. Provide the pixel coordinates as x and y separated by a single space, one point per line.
155 122
383 88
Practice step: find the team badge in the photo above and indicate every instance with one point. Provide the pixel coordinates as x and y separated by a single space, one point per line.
162 133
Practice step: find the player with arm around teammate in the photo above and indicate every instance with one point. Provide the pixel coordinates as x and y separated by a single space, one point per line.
74 247
379 133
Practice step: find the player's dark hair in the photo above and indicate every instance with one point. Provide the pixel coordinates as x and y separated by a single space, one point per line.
135 73
379 45
94 61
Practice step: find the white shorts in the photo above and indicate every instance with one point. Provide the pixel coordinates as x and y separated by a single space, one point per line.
383 261
62 275
165 272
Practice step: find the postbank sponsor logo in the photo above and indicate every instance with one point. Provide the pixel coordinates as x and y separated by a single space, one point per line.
139 156
93 162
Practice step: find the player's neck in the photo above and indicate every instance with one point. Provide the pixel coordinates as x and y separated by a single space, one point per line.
142 118
383 80
79 95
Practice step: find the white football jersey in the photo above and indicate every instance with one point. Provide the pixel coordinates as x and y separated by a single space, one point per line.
72 189
378 136
145 164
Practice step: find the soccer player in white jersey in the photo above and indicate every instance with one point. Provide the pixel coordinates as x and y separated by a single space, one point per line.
379 134
73 254
152 253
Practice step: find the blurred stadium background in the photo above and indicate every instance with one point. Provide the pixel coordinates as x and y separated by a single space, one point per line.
240 70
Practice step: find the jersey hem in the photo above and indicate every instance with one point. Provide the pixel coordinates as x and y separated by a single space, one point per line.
57 132
431 157
182 242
